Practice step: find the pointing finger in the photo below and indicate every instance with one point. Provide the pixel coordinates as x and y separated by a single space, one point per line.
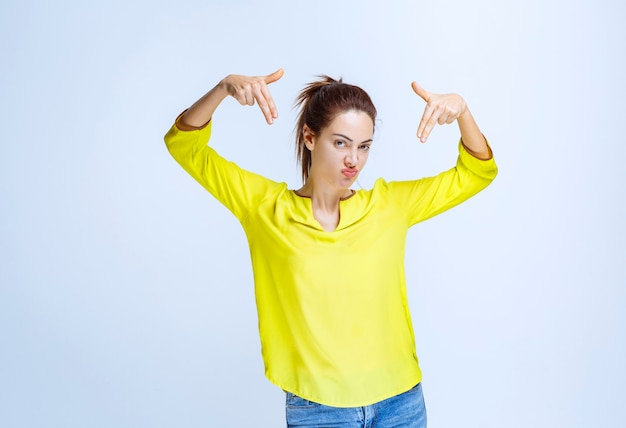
270 102
424 129
266 104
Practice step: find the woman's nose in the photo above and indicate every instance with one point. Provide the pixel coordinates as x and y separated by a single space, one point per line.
351 159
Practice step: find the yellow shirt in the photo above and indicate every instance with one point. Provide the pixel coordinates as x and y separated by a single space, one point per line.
333 315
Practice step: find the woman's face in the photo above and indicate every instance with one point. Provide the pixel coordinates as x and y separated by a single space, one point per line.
339 152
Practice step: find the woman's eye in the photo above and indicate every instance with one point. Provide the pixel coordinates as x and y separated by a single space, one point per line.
340 143
365 147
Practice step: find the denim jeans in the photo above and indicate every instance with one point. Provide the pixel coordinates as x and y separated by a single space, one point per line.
406 410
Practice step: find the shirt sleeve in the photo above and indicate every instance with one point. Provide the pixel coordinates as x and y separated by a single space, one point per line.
427 197
237 189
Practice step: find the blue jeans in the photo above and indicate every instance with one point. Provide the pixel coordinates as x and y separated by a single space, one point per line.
406 410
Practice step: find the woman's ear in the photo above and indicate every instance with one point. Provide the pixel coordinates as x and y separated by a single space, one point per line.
309 137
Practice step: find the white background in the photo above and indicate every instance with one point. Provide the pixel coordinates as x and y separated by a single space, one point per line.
126 297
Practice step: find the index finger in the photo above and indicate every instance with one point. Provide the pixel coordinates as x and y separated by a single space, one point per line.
426 123
269 109
266 104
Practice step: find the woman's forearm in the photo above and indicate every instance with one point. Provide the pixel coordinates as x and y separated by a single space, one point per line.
473 140
248 90
200 113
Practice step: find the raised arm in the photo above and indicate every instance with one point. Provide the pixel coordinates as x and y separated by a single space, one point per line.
248 90
446 108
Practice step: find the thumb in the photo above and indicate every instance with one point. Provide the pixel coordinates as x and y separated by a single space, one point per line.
271 78
423 93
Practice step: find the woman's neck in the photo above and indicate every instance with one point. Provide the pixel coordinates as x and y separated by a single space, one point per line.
322 196
324 202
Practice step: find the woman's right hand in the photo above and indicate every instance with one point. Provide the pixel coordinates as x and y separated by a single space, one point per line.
250 89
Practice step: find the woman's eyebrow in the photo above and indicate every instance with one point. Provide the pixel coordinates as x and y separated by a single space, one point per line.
343 136
350 139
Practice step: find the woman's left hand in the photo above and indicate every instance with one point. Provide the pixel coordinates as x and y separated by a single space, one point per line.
440 108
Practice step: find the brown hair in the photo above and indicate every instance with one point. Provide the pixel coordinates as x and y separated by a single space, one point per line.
320 102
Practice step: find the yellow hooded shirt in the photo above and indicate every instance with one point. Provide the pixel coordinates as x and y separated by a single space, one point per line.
333 315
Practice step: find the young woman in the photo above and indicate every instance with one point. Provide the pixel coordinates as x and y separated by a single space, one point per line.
328 261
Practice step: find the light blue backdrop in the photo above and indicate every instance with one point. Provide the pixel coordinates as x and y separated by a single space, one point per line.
126 294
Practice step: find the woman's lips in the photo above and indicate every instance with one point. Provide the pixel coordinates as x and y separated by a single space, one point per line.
349 172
